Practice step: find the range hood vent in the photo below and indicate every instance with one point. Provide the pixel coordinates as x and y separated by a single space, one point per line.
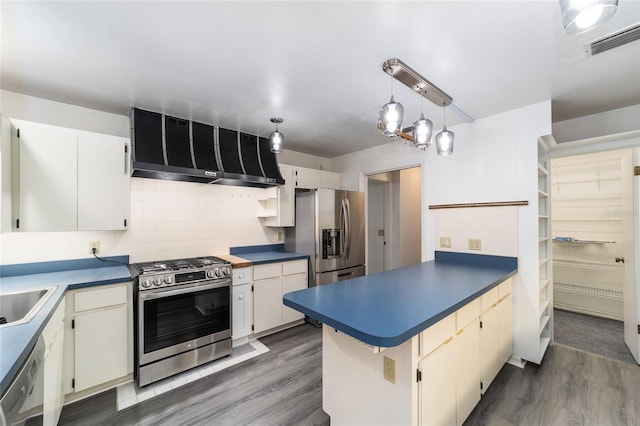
614 40
172 148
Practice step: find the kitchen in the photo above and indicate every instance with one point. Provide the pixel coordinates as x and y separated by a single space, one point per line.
175 219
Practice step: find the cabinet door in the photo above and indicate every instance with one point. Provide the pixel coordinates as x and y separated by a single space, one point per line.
505 313
45 189
267 304
306 178
467 344
53 389
242 311
489 346
292 283
330 180
285 200
437 390
98 333
103 182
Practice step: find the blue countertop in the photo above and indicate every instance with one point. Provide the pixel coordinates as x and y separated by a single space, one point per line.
388 308
266 254
16 341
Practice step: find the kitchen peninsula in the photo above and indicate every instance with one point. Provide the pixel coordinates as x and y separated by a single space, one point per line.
415 345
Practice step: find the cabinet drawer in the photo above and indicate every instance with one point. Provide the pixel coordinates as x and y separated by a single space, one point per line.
52 327
96 299
271 270
437 334
489 299
505 288
294 267
241 276
468 313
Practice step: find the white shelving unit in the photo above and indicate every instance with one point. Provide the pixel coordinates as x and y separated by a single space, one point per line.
544 249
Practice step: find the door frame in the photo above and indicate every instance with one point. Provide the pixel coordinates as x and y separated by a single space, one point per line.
611 143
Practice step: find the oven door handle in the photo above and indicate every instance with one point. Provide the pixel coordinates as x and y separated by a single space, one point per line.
156 294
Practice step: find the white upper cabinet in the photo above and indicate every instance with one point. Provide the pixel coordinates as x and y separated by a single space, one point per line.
44 178
66 180
331 180
103 182
306 178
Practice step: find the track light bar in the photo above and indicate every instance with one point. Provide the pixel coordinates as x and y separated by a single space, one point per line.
410 78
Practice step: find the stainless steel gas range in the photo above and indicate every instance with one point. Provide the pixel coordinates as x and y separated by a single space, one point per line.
183 315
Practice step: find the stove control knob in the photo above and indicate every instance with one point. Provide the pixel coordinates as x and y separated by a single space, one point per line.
219 272
146 283
168 279
158 281
227 271
210 273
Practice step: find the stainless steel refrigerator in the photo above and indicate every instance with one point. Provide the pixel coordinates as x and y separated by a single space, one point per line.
330 229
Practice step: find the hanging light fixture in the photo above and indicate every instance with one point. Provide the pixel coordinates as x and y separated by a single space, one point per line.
579 16
422 130
391 115
444 139
276 139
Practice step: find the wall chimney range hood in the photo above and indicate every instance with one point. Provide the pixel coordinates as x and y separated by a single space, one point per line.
172 148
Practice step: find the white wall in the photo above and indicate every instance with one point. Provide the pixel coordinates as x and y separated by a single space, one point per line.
409 215
167 219
495 159
620 120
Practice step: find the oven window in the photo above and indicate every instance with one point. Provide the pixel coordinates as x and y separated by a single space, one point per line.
176 319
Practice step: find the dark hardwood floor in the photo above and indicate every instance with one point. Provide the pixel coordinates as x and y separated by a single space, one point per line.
280 387
284 387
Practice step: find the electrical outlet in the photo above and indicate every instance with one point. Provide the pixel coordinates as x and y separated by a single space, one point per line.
445 242
94 245
279 235
389 368
475 244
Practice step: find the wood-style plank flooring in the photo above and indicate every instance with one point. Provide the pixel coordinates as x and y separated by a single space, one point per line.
284 387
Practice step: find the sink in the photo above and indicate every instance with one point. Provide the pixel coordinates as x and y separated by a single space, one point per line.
19 308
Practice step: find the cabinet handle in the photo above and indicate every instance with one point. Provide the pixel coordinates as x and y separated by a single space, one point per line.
446 342
240 297
460 332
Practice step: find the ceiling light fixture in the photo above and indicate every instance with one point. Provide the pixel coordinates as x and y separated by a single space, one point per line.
422 130
444 139
579 16
276 139
391 115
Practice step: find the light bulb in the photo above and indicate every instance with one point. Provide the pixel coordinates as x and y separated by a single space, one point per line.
422 129
391 117
589 16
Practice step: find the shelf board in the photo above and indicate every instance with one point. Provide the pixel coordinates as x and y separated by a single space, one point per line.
544 320
545 305
542 193
578 242
543 216
542 169
598 266
588 291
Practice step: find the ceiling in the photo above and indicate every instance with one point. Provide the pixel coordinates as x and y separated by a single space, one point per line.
316 64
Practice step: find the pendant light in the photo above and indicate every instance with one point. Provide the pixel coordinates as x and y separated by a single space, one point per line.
391 115
444 139
276 139
579 16
422 129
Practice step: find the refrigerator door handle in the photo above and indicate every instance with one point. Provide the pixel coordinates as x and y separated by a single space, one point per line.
348 227
342 229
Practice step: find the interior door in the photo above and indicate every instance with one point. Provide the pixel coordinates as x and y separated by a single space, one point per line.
631 227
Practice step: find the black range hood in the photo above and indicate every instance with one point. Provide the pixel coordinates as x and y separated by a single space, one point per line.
172 148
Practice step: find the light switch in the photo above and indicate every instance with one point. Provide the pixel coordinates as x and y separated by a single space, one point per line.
475 244
445 242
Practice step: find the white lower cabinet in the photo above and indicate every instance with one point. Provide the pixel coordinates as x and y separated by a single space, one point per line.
99 351
267 304
242 305
437 389
446 362
50 387
53 364
270 282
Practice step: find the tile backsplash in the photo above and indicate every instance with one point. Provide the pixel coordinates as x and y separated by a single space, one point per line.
167 220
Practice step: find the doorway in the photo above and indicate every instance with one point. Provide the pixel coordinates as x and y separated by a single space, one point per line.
591 250
394 219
